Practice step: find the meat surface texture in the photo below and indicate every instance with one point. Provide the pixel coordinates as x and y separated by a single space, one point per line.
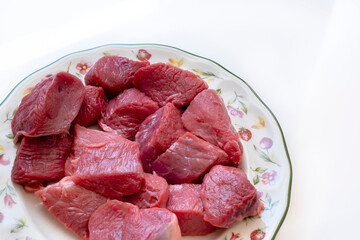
50 107
153 193
110 168
166 83
207 118
114 74
41 159
228 196
71 204
184 201
188 159
93 105
158 132
84 136
117 220
125 113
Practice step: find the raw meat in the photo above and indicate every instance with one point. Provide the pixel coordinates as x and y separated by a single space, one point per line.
158 132
207 117
188 159
85 136
184 201
93 105
114 74
110 168
117 220
71 204
50 107
166 83
125 113
228 196
41 159
153 193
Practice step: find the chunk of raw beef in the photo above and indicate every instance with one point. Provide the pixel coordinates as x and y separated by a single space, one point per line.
117 220
114 74
207 117
41 159
153 193
50 107
188 159
166 83
93 105
184 201
228 196
84 136
71 204
158 132
110 168
125 113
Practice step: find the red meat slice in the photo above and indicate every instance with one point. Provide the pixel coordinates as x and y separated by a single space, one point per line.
188 159
166 83
153 193
50 107
184 201
93 105
71 204
158 132
207 117
114 74
41 159
117 220
111 168
84 136
125 113
228 196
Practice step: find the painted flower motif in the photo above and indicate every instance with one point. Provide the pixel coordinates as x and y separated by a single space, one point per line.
245 134
83 67
1 217
28 238
4 161
269 177
266 143
257 234
235 112
8 200
235 236
143 55
259 194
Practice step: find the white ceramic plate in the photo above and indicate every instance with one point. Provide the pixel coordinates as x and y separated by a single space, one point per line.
265 161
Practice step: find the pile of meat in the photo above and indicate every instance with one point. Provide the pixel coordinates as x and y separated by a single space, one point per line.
164 164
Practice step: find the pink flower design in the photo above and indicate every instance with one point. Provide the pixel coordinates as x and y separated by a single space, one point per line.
1 217
269 177
235 236
235 112
143 55
8 200
259 194
28 238
83 67
266 143
4 161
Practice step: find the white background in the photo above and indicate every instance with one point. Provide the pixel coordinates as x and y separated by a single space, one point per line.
302 57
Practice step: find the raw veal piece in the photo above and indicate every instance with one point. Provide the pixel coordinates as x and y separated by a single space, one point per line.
166 83
84 136
93 105
207 117
188 159
50 107
153 193
40 160
125 113
228 196
110 168
71 204
117 220
114 74
158 132
184 201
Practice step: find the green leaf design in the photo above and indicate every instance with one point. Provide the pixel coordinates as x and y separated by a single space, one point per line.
2 190
18 226
68 68
255 147
218 91
15 110
256 180
266 158
11 190
207 74
257 169
10 136
244 109
106 54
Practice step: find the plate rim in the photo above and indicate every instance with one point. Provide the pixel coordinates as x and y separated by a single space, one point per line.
212 61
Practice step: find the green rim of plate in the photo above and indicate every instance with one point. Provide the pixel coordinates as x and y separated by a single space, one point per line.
163 45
